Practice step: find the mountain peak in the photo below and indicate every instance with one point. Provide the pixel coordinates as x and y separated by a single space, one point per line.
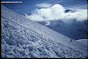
69 10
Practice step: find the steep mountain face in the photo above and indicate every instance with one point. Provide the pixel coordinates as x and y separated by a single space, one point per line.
23 38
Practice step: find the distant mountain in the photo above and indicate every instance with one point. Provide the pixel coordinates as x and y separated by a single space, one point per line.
74 29
69 10
23 38
26 14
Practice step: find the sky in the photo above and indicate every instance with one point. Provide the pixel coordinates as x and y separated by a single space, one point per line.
27 6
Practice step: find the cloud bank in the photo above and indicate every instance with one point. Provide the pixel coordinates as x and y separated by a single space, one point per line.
57 12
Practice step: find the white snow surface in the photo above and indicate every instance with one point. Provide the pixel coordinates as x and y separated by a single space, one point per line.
23 38
83 41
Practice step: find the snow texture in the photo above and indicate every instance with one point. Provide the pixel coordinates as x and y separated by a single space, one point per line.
23 38
83 41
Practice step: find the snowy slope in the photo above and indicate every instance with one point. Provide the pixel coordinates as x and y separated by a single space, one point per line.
23 38
83 41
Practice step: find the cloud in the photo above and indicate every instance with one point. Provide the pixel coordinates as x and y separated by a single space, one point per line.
57 12
43 5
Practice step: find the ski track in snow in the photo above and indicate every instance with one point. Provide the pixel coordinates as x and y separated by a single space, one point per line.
23 38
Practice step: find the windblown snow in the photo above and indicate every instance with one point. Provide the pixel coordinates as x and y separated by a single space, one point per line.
23 38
